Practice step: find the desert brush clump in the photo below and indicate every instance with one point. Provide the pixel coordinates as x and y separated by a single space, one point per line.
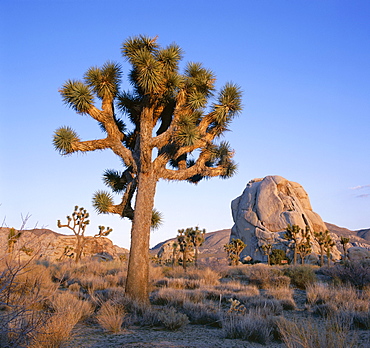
308 333
66 312
172 319
250 325
301 275
111 316
346 298
261 275
284 295
356 273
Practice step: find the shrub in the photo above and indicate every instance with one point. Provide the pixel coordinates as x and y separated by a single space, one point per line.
252 327
264 306
308 334
171 319
284 296
203 313
260 275
301 276
278 255
356 273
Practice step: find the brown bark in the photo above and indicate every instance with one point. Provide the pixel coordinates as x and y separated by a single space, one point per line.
138 266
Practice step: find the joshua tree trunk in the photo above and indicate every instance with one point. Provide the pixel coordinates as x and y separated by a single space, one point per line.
184 258
138 265
321 255
79 248
196 256
295 255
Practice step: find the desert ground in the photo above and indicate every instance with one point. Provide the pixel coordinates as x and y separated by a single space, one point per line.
68 304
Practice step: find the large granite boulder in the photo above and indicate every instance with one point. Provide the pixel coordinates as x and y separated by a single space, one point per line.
262 213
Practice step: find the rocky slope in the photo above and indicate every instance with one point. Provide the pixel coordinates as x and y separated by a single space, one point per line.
47 244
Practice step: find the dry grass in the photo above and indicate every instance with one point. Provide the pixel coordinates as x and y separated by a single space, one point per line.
345 298
260 275
49 299
307 333
67 311
284 295
171 319
111 316
251 326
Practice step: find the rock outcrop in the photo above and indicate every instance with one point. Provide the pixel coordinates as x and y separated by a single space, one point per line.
262 213
46 244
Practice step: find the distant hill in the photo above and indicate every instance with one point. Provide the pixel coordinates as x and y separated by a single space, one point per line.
365 234
44 243
213 245
360 236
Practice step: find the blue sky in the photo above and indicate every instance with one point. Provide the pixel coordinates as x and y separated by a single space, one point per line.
303 66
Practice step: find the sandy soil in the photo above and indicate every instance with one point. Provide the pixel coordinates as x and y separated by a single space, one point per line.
192 336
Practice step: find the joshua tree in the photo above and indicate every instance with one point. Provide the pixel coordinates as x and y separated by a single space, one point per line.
175 247
197 238
185 245
304 246
234 249
344 241
173 134
320 238
292 234
328 245
13 237
267 250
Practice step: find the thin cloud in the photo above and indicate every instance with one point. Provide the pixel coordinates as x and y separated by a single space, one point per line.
359 187
364 195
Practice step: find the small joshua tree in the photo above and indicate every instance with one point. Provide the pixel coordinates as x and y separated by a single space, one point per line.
197 238
234 249
344 241
13 237
326 244
292 234
185 245
77 224
267 250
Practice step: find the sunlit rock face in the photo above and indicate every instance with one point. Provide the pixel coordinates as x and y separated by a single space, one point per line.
52 246
262 213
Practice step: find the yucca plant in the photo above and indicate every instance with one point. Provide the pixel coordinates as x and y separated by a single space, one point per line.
169 131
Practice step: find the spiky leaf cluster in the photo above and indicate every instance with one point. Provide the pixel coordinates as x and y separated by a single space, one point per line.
114 180
102 201
63 140
157 219
104 81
